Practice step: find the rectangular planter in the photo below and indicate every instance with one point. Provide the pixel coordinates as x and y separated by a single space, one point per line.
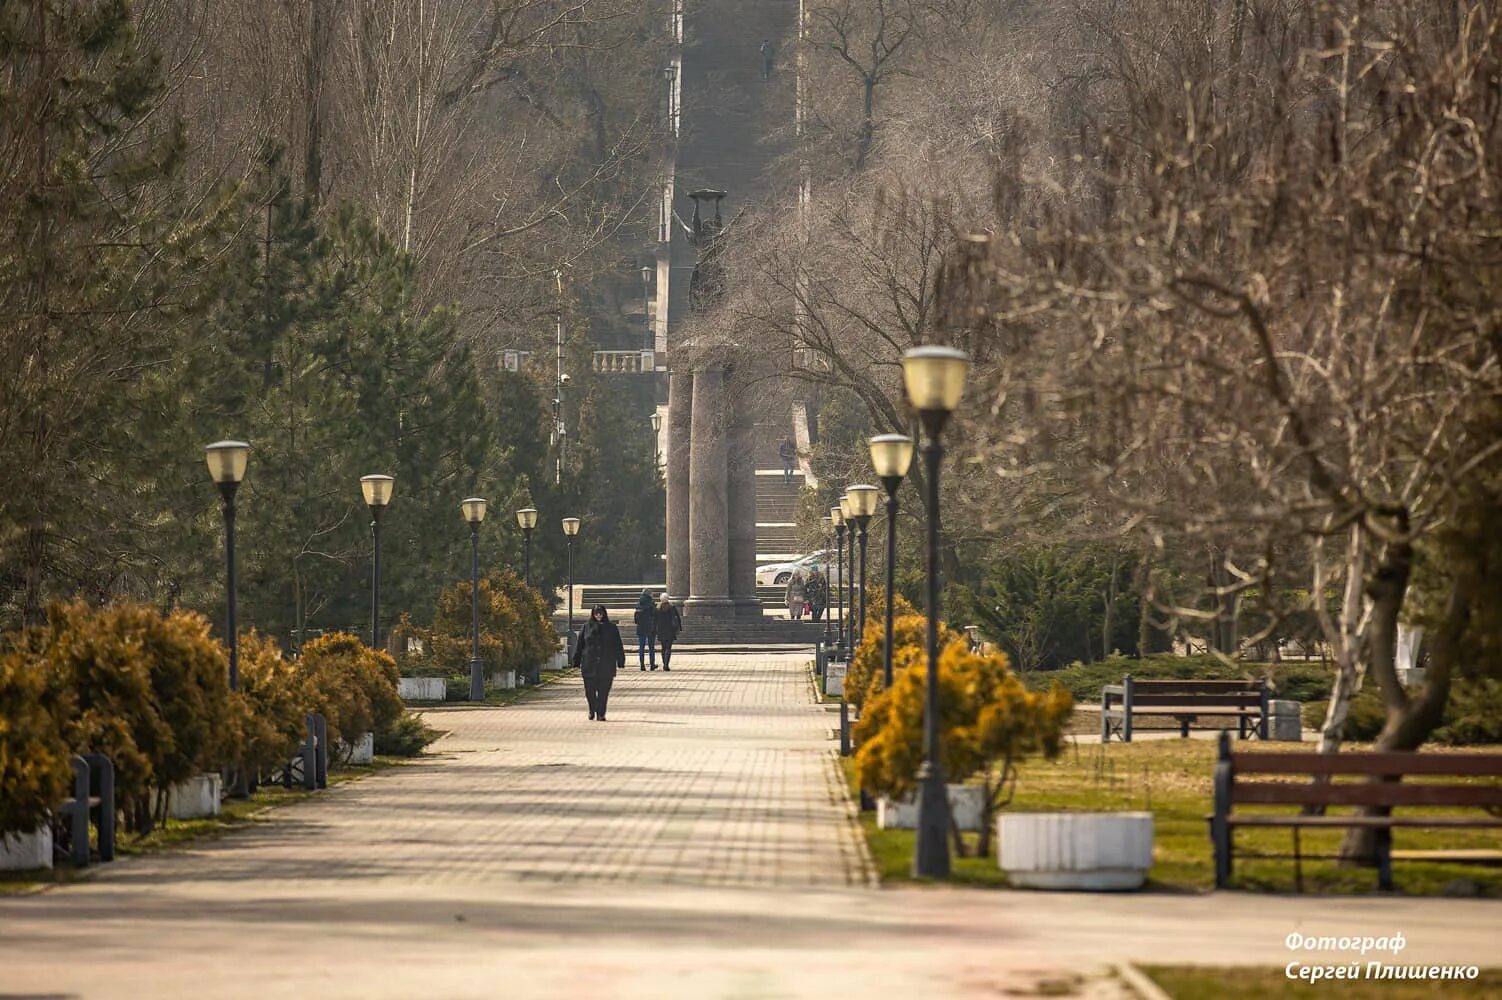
422 688
966 804
1284 721
834 677
503 680
21 852
1098 851
364 750
196 798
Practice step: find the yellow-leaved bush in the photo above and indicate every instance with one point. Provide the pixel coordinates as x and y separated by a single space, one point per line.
988 724
909 638
33 757
354 686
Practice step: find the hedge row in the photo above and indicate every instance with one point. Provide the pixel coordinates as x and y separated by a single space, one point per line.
1296 681
151 692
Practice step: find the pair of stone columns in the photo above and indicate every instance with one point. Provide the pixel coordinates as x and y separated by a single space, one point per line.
711 498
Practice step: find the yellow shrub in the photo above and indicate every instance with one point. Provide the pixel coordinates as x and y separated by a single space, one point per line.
354 686
909 634
275 701
33 757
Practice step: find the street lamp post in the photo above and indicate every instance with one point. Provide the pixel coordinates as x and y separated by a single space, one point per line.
227 461
527 519
891 454
848 512
837 518
377 491
827 525
570 529
656 432
474 513
935 380
646 305
862 505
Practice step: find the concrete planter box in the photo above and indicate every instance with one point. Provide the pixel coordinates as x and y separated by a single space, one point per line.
1093 851
503 680
196 798
834 677
21 852
422 688
362 753
966 805
1284 721
559 661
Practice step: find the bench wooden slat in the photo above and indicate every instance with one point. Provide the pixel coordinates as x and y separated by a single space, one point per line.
1193 686
1386 793
1457 764
1293 819
1181 708
1140 702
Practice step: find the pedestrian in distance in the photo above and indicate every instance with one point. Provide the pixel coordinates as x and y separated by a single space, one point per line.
598 654
797 595
816 590
667 626
768 59
788 452
646 630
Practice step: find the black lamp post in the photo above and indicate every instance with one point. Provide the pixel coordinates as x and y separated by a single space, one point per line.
935 381
227 461
656 433
570 529
862 501
377 491
848 572
827 525
526 518
474 513
646 305
891 454
837 518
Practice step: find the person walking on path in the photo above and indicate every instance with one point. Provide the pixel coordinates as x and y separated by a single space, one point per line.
816 590
667 625
788 452
768 58
797 596
598 655
646 629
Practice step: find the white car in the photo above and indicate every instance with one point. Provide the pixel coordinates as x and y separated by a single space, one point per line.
778 574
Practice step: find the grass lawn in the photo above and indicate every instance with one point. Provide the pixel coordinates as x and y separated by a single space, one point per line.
234 814
1172 780
1185 982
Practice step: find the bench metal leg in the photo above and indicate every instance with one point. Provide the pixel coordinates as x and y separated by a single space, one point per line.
844 728
78 813
102 768
322 754
1384 858
1105 723
1183 727
1298 863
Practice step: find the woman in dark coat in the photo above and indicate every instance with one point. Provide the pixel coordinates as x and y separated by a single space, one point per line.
598 654
669 623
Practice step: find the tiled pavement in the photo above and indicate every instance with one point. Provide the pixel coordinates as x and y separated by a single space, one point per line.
697 845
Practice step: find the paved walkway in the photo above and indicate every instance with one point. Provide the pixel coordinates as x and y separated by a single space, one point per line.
697 845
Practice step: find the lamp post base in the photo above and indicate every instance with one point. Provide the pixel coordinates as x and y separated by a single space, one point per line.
931 852
476 680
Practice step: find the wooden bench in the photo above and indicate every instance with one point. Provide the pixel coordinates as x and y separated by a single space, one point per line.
1384 787
1186 700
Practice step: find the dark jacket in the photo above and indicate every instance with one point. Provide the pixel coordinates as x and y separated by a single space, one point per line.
668 624
599 651
646 615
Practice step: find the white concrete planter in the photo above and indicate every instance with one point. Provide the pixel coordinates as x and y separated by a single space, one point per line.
195 798
21 852
503 680
422 688
1284 721
559 661
834 677
966 806
364 750
1095 851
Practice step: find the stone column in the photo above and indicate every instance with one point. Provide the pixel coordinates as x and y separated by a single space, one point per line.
709 557
679 427
742 507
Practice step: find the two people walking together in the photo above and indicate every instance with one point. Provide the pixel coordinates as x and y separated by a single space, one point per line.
600 653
